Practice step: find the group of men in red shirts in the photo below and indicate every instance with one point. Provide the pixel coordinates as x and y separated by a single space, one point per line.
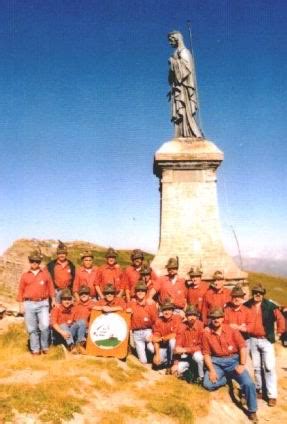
184 325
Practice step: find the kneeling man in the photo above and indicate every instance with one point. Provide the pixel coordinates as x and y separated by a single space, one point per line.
164 334
143 318
189 344
225 358
67 326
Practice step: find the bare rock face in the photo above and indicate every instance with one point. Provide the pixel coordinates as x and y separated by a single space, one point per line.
15 260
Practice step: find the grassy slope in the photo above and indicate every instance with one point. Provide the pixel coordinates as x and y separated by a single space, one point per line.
276 286
69 385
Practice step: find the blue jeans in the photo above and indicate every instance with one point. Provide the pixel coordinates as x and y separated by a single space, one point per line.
36 316
141 343
225 368
77 332
263 359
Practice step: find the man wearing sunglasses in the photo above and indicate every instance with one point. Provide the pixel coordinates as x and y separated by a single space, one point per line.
224 352
35 290
262 337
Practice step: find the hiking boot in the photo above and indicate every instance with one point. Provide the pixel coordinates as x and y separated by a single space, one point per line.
72 349
259 394
272 402
80 349
168 371
253 417
45 351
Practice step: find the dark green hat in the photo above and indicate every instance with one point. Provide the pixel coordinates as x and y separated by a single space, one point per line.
192 310
216 313
84 290
35 256
62 248
237 292
218 275
259 288
167 305
145 269
87 254
195 272
66 293
109 289
137 254
172 263
111 253
141 286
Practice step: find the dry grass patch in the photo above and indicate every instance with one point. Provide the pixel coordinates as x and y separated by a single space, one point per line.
176 399
50 400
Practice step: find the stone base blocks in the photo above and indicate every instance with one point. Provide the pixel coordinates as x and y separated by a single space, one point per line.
189 221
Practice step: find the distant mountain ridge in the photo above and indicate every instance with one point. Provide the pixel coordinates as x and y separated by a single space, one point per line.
272 266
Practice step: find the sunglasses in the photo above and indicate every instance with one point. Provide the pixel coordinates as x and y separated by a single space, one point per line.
33 261
67 298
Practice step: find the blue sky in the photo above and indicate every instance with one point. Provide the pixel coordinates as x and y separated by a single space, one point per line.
83 109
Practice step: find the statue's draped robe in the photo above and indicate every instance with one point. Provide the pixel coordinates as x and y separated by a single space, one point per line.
183 94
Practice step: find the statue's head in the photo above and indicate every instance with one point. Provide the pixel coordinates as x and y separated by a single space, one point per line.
175 38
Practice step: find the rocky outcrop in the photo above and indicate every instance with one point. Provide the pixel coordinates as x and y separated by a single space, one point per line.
15 260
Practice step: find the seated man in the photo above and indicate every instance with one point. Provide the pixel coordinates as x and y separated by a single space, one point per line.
225 358
63 319
110 303
164 334
189 344
85 304
143 318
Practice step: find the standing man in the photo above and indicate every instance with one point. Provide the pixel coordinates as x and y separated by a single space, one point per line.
86 275
146 275
143 317
35 290
262 337
110 272
189 344
196 288
132 273
164 335
216 295
62 271
172 287
225 357
236 315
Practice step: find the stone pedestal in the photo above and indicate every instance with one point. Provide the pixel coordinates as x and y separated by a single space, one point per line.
189 221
